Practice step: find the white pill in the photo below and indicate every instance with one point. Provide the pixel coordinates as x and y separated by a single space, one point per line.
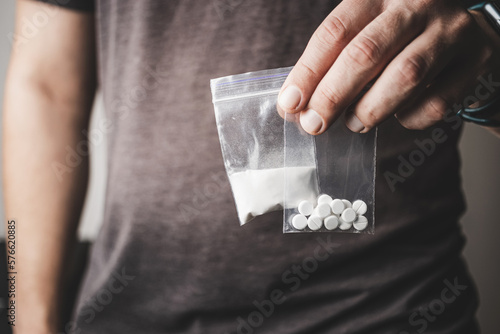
360 207
343 225
305 208
323 210
331 222
324 199
299 222
314 222
347 204
360 223
349 215
337 206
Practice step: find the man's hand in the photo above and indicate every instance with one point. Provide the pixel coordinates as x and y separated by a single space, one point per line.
423 56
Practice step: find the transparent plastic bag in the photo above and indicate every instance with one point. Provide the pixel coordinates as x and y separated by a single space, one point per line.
346 165
251 135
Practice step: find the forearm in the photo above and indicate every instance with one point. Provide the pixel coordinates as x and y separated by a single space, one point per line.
45 203
49 93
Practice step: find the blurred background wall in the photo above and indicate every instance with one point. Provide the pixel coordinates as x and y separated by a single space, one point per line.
481 169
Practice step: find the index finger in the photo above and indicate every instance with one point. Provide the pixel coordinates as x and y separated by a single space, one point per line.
327 42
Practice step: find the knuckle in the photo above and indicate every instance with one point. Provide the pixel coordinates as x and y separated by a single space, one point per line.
462 27
423 5
308 67
465 21
364 51
329 95
401 14
412 71
370 117
331 31
436 108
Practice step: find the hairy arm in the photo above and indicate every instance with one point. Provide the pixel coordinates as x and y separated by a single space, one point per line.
49 92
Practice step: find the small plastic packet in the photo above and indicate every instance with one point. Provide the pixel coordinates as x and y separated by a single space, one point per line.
346 165
251 135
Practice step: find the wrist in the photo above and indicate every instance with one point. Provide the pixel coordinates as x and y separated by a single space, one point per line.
486 112
487 19
35 329
36 319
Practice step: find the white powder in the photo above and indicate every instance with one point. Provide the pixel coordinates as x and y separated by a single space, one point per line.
258 191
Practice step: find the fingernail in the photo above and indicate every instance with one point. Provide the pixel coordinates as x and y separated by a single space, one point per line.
311 121
353 123
290 98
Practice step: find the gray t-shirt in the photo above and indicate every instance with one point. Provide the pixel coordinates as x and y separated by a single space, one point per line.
171 256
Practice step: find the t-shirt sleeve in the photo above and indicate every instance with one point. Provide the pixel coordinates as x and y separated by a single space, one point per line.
82 5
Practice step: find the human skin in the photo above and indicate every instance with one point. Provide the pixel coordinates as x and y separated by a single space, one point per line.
49 92
422 56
